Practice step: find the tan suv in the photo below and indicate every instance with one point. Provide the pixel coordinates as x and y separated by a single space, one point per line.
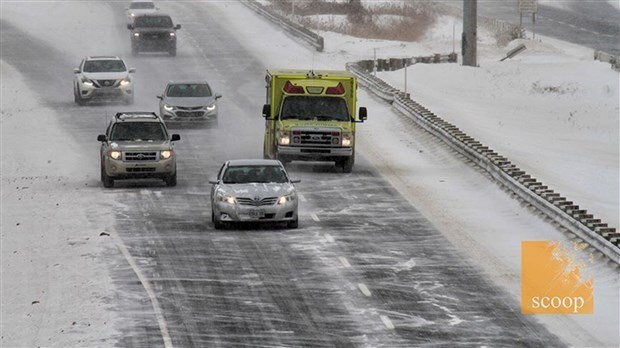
137 145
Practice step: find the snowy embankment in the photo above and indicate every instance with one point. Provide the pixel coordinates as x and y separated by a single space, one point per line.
56 290
552 110
55 286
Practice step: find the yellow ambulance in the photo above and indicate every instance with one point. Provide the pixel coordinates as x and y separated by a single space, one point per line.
310 116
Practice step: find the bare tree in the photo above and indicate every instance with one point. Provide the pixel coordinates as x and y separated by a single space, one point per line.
357 13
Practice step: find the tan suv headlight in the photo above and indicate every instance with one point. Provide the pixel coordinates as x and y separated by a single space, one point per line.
115 154
166 154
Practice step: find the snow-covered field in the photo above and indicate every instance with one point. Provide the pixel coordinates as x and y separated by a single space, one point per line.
55 287
578 156
551 109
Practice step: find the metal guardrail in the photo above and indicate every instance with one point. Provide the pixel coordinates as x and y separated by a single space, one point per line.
380 87
566 213
306 35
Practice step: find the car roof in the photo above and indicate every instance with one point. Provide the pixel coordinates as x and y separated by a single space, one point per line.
253 162
102 58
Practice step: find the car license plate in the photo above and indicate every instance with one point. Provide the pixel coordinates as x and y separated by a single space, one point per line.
256 213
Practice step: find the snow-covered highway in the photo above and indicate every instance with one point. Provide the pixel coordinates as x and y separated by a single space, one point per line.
396 254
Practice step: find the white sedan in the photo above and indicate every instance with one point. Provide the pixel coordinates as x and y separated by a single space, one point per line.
256 190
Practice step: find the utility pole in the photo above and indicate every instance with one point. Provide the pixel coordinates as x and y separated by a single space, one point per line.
470 36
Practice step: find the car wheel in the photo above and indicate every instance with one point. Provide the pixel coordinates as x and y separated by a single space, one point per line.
293 223
106 179
282 158
171 180
77 99
346 164
265 154
216 223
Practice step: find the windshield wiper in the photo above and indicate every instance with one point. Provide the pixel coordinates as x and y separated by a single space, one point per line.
324 117
293 117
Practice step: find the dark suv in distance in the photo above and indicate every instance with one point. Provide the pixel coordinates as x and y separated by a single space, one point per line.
153 32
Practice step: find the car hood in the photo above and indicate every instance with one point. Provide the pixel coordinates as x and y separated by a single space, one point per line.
253 190
140 145
106 75
189 102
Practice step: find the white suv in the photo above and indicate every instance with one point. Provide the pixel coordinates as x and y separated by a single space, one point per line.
139 7
103 77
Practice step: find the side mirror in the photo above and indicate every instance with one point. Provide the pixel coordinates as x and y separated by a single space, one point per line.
177 27
295 181
102 137
76 70
161 97
130 26
132 70
267 111
363 114
213 182
218 95
175 137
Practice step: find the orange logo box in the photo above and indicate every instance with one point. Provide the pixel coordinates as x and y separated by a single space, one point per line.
551 282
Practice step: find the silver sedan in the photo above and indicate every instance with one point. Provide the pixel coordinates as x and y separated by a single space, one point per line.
253 190
188 101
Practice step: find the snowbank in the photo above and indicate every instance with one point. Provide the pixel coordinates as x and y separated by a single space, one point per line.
553 114
55 286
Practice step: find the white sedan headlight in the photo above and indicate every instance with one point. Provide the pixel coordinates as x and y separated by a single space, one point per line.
168 107
136 34
227 199
286 199
125 82
87 82
211 107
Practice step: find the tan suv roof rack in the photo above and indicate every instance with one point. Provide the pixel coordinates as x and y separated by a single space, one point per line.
135 114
